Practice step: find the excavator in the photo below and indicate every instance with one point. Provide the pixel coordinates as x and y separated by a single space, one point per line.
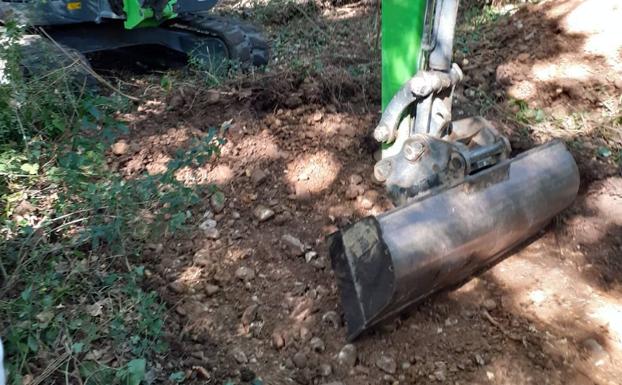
463 199
187 27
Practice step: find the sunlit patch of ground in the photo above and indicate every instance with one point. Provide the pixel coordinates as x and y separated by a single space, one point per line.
313 173
604 37
553 283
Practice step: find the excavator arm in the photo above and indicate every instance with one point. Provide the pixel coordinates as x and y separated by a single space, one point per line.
462 202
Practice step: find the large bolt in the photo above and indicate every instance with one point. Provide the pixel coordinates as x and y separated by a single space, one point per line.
382 133
382 170
413 150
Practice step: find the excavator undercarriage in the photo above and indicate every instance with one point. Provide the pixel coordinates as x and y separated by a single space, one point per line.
183 26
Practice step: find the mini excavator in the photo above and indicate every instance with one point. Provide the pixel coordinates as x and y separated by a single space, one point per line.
183 26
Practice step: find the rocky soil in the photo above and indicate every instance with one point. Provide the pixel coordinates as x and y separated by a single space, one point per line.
251 294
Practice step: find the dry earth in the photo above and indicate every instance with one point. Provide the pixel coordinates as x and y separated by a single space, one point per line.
256 300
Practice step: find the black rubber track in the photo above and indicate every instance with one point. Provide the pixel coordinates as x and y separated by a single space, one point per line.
244 41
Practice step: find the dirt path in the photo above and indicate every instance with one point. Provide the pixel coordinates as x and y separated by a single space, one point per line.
257 299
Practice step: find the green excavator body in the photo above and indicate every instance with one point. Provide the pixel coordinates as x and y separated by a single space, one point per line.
138 14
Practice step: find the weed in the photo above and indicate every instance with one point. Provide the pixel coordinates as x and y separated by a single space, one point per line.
72 231
474 21
214 73
526 114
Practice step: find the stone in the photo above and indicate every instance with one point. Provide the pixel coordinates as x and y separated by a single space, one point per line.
332 318
387 364
203 373
293 245
354 191
317 344
208 224
347 356
479 360
263 213
356 179
258 176
441 371
451 321
217 201
120 148
367 200
333 383
178 287
300 360
239 355
245 273
489 304
317 116
235 215
523 56
211 233
325 370
310 256
305 334
597 353
210 289
277 340
249 314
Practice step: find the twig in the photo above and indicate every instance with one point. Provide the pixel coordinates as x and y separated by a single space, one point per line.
499 326
67 224
51 368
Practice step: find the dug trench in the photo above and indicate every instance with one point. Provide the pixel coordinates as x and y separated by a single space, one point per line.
249 290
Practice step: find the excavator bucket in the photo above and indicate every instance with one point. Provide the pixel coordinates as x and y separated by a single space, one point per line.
384 264
463 203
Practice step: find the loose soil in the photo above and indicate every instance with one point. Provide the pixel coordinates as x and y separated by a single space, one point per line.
248 304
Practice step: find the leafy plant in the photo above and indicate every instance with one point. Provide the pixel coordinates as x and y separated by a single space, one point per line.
526 114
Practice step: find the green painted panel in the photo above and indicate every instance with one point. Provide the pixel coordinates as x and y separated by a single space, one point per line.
138 17
402 30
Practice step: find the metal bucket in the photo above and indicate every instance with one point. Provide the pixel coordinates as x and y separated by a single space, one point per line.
384 264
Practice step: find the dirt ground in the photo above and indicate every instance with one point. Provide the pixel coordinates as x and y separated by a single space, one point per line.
248 304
